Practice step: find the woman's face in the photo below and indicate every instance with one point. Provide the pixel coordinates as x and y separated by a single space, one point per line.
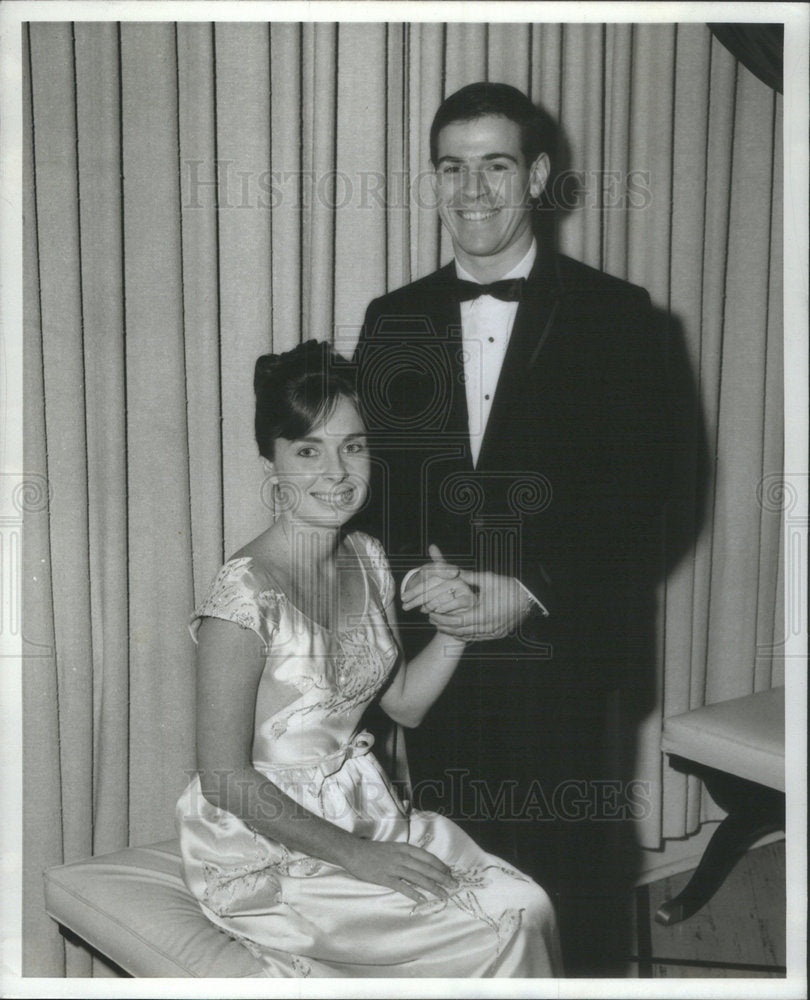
323 477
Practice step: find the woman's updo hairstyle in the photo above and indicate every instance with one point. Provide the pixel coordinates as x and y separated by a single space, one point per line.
298 390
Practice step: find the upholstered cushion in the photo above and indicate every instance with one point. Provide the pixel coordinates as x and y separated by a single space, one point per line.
744 736
134 907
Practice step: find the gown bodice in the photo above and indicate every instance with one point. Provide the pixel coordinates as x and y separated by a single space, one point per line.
302 915
332 674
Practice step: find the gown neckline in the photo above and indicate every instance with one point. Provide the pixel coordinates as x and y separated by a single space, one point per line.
363 614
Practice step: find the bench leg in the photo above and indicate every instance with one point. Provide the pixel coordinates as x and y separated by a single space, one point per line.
74 939
753 811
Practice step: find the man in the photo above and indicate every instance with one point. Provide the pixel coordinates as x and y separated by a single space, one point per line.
518 428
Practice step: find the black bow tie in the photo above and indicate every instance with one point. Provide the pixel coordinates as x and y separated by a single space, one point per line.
508 290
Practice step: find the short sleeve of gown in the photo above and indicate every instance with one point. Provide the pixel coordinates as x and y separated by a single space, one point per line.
379 568
238 594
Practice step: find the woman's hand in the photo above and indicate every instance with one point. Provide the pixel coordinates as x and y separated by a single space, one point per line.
410 870
438 588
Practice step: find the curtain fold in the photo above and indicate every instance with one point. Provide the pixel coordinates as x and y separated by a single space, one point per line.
396 190
283 192
243 141
198 194
101 273
158 529
581 103
427 62
42 949
684 598
361 158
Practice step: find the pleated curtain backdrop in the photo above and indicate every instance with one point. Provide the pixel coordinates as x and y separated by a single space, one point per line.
197 194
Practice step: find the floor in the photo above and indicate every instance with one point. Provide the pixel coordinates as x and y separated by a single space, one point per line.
740 933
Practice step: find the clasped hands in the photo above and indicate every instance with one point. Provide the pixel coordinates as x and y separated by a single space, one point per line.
466 605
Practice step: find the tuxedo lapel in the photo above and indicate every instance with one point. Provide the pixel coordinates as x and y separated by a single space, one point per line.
534 325
422 349
446 315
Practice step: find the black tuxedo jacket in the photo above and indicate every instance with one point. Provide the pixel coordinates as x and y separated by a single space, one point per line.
565 495
570 473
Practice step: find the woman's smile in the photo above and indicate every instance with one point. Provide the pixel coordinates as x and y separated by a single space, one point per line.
341 496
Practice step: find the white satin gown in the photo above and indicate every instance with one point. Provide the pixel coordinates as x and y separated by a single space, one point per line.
301 916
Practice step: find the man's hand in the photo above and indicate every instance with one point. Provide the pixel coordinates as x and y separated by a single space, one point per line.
501 606
438 587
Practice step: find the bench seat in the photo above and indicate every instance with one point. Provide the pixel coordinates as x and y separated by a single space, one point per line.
133 907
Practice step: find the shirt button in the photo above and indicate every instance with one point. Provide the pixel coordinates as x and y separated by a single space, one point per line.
492 340
486 396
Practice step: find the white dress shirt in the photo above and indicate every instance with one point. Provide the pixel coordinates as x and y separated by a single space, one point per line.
486 326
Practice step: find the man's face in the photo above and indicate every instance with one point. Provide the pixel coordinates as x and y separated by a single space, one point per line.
484 186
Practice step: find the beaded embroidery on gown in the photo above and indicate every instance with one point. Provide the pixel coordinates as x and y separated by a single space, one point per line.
301 916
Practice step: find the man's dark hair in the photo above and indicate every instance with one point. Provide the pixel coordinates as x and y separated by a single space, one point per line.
477 99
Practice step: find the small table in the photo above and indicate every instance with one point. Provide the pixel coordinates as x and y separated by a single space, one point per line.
737 748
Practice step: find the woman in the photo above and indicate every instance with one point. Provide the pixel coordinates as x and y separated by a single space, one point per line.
293 838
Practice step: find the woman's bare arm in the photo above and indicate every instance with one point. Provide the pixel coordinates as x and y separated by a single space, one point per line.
418 683
230 662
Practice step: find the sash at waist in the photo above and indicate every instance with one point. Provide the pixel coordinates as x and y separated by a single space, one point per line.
358 746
